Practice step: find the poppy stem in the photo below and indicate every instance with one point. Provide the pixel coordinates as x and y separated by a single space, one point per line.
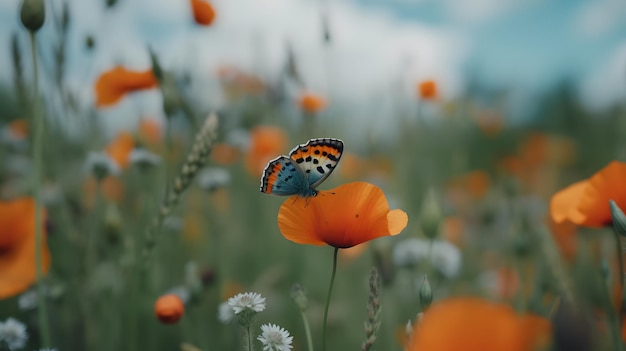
307 331
620 260
619 252
614 319
38 126
330 290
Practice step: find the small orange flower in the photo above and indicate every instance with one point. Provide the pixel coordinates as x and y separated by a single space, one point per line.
18 129
119 149
490 122
586 203
508 283
17 247
534 149
343 217
111 187
169 308
352 166
311 103
453 230
475 183
203 12
427 90
150 131
114 84
473 324
266 143
224 154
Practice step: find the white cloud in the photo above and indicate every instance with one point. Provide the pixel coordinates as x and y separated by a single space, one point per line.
606 85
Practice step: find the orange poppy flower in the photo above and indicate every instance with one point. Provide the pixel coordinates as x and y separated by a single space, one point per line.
311 103
119 149
343 217
17 247
18 129
112 85
586 203
490 122
111 187
508 283
224 154
473 324
169 308
266 143
533 150
427 90
150 131
475 183
203 12
453 230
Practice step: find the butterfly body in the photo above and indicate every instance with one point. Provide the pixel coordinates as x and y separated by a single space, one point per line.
306 167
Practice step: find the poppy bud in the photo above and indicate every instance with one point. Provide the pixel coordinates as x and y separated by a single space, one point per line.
90 42
32 14
619 219
430 216
299 296
169 308
425 294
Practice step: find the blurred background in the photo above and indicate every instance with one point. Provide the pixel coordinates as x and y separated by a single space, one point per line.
480 109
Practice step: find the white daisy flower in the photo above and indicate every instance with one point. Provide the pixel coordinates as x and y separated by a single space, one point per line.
213 178
252 301
28 300
225 313
101 165
13 333
144 158
275 338
445 257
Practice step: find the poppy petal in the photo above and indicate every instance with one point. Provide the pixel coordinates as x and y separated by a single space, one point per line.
586 203
398 220
563 204
203 12
112 85
296 223
342 217
17 263
606 184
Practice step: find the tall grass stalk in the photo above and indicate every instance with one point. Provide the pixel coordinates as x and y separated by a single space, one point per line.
38 127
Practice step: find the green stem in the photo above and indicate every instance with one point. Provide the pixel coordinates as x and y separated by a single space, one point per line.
614 323
619 252
330 291
38 127
249 337
307 331
620 313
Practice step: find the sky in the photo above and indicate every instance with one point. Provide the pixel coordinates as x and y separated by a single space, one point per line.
379 48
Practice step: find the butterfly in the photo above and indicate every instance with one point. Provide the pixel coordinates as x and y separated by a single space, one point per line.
307 166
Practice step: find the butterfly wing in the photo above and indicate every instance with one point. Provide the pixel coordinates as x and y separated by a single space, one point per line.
282 176
317 158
